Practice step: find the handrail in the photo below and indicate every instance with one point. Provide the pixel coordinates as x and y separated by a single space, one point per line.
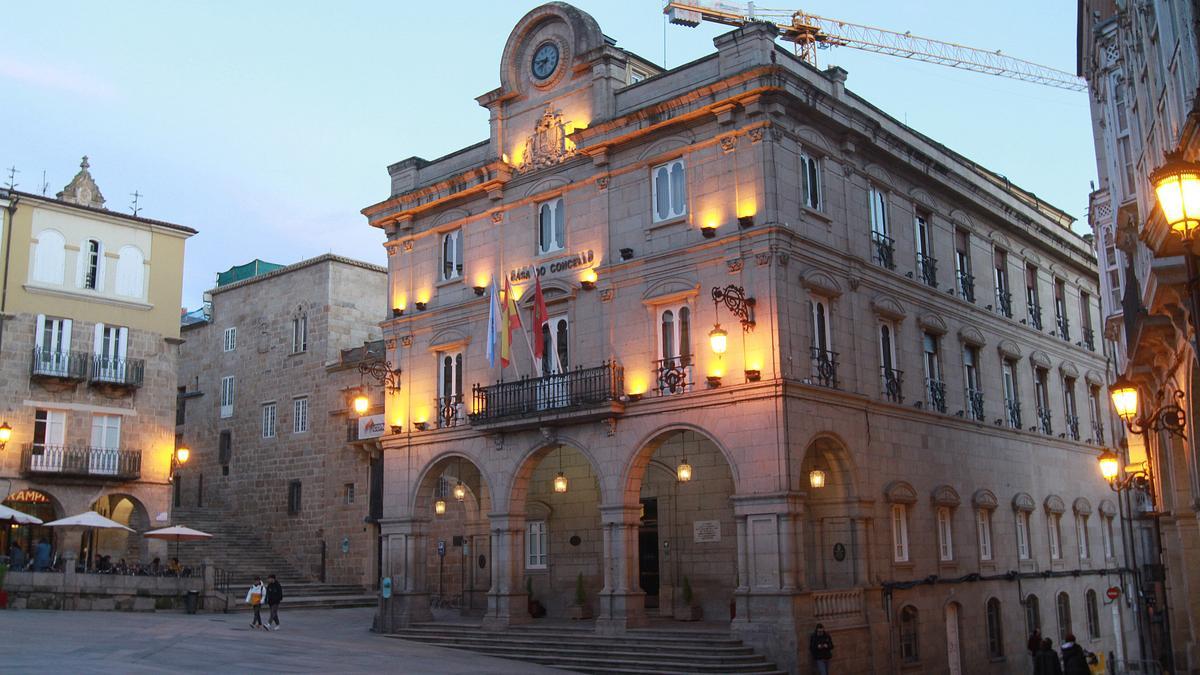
69 460
547 394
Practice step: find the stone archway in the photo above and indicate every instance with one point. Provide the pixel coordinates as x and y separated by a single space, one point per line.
835 536
117 544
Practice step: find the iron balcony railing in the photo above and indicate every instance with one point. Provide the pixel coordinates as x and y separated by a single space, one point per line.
1012 411
58 364
893 384
1035 314
1073 427
824 367
966 287
39 459
1089 339
1043 421
1064 327
450 411
884 254
927 269
1098 433
937 394
1004 303
673 375
573 389
115 371
975 404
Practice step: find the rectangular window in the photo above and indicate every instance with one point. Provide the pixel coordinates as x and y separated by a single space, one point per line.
962 265
1000 278
300 334
551 226
892 378
824 359
1106 534
1012 405
452 255
1033 303
227 396
1112 267
900 532
450 388
348 493
674 367
229 343
926 263
810 181
52 343
225 449
91 265
945 534
935 388
1023 535
1070 413
882 245
983 523
1054 535
1081 537
974 394
1085 320
269 416
293 497
535 545
1041 396
636 75
668 190
300 415
180 406
49 434
1062 323
108 358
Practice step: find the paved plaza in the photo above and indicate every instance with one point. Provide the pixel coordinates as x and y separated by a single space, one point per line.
328 641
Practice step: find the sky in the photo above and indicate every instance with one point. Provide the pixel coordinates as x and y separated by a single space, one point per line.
269 125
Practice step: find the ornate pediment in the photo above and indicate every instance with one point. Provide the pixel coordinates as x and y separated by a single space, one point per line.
900 492
985 499
548 145
82 189
944 495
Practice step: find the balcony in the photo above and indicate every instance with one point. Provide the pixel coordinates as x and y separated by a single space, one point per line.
116 372
1073 427
975 404
578 395
1097 433
1064 327
1043 421
1004 303
824 367
450 411
966 287
893 384
673 376
1012 410
927 270
55 365
48 461
1034 311
936 390
839 606
884 253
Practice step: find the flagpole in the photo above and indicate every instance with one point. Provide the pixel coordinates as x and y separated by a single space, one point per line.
536 363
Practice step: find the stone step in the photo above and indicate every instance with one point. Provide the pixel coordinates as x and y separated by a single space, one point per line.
581 635
313 602
610 647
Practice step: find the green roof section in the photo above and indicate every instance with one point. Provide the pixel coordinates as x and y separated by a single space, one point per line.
250 270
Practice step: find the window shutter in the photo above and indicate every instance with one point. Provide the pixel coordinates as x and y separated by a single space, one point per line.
81 264
458 253
65 343
122 342
39 330
98 341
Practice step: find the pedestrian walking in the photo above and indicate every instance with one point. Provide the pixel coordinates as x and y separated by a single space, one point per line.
1045 660
820 644
274 597
1074 657
255 597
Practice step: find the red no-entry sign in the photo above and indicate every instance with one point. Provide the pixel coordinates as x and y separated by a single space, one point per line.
1114 592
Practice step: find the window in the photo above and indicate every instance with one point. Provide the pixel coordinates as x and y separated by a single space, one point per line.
962 265
935 389
926 263
974 393
820 324
348 493
1085 320
1000 277
452 255
293 497
1012 405
230 341
49 259
300 415
450 388
1113 272
551 226
1097 414
1063 605
1023 535
555 348
270 415
180 406
227 396
131 272
535 545
225 449
824 359
300 334
983 524
900 532
945 534
1062 323
1033 303
1054 535
1081 536
636 75
674 349
995 629
891 376
93 260
1070 413
1041 395
1093 614
668 185
882 244
810 181
109 348
1106 534
49 429
909 652
52 343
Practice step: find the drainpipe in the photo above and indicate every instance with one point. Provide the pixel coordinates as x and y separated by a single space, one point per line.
12 212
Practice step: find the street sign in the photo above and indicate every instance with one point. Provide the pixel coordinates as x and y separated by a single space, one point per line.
442 548
1114 592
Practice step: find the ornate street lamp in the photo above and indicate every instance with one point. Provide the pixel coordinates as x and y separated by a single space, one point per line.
560 480
361 403
460 490
718 339
1110 465
816 479
734 298
1167 415
182 454
5 434
683 472
1177 186
439 507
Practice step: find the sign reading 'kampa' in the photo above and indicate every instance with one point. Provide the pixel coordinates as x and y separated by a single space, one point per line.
371 426
564 264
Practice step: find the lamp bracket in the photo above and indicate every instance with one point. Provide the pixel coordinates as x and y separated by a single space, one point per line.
382 373
735 300
1168 416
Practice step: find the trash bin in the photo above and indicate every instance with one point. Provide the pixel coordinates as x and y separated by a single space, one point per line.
192 601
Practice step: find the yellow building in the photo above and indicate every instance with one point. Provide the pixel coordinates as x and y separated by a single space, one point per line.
89 335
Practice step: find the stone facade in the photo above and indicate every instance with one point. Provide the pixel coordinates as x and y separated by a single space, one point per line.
338 301
752 174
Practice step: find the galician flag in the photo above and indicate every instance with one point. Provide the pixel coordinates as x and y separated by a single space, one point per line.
493 322
510 322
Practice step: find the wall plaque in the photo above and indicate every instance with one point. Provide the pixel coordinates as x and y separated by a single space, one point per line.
706 531
839 552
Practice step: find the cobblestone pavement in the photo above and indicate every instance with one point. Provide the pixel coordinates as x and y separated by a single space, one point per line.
327 641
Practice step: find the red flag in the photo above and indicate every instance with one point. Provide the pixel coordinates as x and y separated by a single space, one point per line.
540 318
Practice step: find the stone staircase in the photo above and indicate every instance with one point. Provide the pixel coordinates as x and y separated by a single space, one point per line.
580 649
242 554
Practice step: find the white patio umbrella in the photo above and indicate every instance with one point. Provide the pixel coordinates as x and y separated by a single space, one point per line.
18 517
89 519
177 533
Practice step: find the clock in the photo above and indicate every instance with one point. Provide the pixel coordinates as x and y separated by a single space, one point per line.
545 60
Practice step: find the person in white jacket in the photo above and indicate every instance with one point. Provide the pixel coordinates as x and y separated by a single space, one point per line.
255 597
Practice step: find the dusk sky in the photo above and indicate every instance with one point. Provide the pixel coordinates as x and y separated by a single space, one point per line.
267 126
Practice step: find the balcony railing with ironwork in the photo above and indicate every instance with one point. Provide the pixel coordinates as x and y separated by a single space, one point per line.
1012 410
824 363
1043 421
1064 327
966 287
927 269
1073 427
533 397
936 391
56 364
893 384
450 411
119 372
1098 433
42 460
975 404
1089 339
884 254
1004 303
673 375
1034 311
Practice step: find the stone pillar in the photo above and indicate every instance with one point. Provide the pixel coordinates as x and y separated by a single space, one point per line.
508 603
404 549
622 601
859 531
70 582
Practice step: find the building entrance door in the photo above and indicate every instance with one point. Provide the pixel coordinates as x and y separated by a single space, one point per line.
648 552
838 551
953 655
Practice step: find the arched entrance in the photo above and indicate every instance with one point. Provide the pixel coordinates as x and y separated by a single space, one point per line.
455 497
835 537
117 544
35 503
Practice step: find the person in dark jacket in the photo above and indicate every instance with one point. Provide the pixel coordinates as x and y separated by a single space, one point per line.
821 646
274 597
1034 645
1045 661
1074 657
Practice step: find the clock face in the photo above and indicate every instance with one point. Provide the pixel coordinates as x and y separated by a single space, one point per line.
545 60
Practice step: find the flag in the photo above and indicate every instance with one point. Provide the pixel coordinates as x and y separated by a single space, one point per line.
540 318
510 321
493 320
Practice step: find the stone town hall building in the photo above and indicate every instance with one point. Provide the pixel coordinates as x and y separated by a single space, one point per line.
922 336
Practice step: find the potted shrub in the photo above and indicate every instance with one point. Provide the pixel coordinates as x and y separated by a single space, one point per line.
3 593
536 609
690 610
580 610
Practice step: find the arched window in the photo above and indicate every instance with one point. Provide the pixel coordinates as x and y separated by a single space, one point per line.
1063 605
91 265
1033 614
1093 615
49 257
995 629
130 272
909 651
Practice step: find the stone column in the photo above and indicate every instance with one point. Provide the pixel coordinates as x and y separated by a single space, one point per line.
622 601
508 603
859 530
404 542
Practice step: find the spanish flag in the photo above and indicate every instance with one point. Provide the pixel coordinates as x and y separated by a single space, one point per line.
510 322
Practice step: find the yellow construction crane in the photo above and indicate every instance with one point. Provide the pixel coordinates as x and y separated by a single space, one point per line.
810 32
